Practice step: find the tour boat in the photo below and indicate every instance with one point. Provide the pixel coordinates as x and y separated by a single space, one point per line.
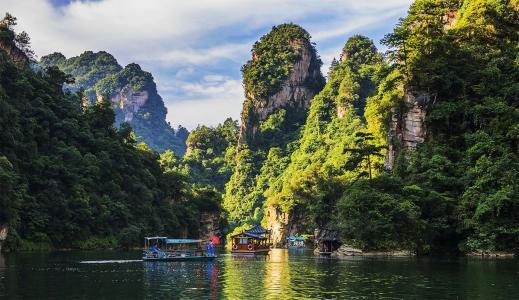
253 241
295 242
159 248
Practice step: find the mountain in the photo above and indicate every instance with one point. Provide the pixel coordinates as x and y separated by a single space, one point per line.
306 192
417 151
69 178
280 81
132 91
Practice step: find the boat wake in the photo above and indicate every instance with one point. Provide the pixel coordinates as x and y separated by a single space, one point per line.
110 261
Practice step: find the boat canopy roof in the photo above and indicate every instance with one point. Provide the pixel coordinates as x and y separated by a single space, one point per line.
173 241
296 238
182 241
155 238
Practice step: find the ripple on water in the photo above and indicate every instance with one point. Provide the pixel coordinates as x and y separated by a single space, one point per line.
281 275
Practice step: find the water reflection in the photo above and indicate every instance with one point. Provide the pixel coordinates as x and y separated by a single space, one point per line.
243 276
277 275
212 274
281 275
182 280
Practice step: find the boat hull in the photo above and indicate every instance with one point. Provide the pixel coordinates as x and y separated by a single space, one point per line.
251 252
180 258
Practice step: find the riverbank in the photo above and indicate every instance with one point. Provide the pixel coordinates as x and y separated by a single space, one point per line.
347 251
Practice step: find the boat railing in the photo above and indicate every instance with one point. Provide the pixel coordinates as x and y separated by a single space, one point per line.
173 253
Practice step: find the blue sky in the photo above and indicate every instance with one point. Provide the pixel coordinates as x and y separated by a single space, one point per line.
195 49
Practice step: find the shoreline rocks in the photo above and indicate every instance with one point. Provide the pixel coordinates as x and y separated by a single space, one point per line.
346 250
491 254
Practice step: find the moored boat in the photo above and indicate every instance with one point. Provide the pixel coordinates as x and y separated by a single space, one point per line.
253 241
296 242
161 248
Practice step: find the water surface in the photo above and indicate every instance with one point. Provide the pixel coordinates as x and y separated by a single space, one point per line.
281 275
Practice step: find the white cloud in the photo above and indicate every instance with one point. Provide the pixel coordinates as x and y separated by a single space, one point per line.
208 102
177 30
185 39
195 56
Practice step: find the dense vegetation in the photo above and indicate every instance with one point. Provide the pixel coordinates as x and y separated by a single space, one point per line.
209 158
468 166
100 74
458 190
333 148
68 177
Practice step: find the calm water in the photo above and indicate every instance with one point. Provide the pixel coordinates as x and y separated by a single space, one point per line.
282 275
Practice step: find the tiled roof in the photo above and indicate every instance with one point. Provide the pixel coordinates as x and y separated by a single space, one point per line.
257 230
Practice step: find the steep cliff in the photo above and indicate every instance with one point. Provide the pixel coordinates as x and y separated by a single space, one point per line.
304 196
407 127
280 81
132 91
449 104
3 234
294 93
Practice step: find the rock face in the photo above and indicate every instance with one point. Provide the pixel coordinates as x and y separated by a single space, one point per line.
132 91
345 250
3 234
282 224
209 225
295 92
17 55
277 221
407 125
129 101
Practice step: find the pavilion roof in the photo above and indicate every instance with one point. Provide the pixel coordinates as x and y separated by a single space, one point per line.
257 230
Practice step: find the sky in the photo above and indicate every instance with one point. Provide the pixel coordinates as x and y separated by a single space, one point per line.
195 48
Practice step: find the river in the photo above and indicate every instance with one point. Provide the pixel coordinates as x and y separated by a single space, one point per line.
283 274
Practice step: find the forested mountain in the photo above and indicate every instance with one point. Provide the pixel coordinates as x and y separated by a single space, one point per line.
68 177
207 166
444 100
210 152
280 81
132 91
414 149
334 146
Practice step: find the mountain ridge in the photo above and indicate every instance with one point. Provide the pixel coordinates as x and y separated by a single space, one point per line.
132 91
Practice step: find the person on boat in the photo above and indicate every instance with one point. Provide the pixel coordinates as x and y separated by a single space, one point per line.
154 248
210 248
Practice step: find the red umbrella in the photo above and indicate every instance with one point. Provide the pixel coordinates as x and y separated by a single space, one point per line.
215 240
